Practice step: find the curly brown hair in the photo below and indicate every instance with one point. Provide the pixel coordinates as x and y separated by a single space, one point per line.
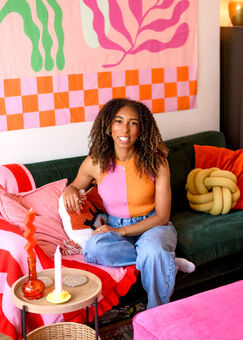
151 151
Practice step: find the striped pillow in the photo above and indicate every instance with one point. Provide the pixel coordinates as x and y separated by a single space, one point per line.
16 178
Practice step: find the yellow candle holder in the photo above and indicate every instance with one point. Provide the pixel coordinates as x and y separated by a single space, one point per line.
56 297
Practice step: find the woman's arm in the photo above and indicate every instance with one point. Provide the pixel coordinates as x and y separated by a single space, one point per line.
87 173
162 207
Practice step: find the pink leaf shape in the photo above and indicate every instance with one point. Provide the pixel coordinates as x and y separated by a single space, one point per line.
165 4
99 27
116 20
162 24
179 39
136 8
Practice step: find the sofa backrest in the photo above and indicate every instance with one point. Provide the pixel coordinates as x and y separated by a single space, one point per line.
50 171
181 160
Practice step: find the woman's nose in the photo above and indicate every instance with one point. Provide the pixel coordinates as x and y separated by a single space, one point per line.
125 127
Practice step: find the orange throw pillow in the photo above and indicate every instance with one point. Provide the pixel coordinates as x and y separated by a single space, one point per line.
225 159
79 227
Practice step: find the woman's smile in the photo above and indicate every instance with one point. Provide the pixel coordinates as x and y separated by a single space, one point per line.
124 139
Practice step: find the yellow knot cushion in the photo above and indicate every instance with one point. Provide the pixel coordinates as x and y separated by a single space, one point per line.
212 190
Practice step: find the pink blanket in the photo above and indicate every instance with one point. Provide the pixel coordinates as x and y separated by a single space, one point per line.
13 264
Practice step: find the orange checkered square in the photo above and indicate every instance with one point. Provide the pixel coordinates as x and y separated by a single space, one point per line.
91 97
183 103
30 103
44 84
2 106
145 92
12 87
119 92
158 105
75 82
47 118
104 79
182 73
193 87
15 122
77 115
61 100
170 90
132 77
157 75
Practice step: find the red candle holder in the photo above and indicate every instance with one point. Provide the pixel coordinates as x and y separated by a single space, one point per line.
33 288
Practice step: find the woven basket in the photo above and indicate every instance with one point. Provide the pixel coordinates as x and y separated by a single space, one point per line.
63 331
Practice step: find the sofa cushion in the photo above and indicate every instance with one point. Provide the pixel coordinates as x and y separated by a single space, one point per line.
16 178
181 162
225 159
203 238
44 201
80 226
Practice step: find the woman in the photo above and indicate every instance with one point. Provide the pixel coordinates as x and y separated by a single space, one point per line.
127 159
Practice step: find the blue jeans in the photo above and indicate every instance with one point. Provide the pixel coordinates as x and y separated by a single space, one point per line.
153 252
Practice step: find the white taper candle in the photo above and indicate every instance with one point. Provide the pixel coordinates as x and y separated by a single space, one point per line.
58 271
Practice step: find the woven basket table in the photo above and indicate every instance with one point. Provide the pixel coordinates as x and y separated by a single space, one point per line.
63 331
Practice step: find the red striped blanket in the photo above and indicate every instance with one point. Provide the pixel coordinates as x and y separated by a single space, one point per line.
13 264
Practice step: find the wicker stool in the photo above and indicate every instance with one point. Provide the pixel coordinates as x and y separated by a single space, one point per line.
63 331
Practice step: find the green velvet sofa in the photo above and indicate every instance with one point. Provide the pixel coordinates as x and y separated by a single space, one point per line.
213 243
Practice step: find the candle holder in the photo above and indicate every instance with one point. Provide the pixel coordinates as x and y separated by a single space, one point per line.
33 288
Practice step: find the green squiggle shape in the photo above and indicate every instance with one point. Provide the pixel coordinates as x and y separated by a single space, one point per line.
60 59
47 42
30 29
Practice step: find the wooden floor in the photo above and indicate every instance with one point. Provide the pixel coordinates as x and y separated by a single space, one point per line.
4 337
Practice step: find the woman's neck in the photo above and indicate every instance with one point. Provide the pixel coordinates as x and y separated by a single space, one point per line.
124 155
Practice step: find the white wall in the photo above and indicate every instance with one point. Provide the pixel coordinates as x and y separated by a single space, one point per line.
224 14
32 145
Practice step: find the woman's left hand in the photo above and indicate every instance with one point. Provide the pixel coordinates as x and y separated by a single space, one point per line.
104 229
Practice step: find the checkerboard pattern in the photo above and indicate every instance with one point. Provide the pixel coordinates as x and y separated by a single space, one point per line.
63 99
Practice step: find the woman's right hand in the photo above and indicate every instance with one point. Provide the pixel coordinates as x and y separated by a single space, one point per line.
71 199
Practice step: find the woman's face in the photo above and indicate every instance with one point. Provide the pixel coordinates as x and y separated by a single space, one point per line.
125 128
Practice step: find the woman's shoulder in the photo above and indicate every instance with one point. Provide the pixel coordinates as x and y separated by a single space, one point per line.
90 167
163 170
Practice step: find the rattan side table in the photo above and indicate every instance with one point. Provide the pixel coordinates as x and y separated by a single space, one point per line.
81 296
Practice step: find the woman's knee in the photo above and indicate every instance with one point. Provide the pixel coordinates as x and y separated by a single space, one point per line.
158 238
93 248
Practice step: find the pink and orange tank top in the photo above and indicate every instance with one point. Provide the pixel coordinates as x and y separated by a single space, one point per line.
124 193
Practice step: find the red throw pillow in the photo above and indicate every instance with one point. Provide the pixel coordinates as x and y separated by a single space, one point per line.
225 159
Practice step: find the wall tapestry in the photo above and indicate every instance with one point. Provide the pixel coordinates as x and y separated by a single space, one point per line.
60 60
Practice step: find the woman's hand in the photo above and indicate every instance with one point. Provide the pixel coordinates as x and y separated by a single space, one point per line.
105 228
71 199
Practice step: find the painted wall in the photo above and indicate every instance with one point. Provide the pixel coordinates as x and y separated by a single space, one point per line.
224 14
33 145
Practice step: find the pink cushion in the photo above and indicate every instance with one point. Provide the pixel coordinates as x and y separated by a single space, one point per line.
44 201
215 314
